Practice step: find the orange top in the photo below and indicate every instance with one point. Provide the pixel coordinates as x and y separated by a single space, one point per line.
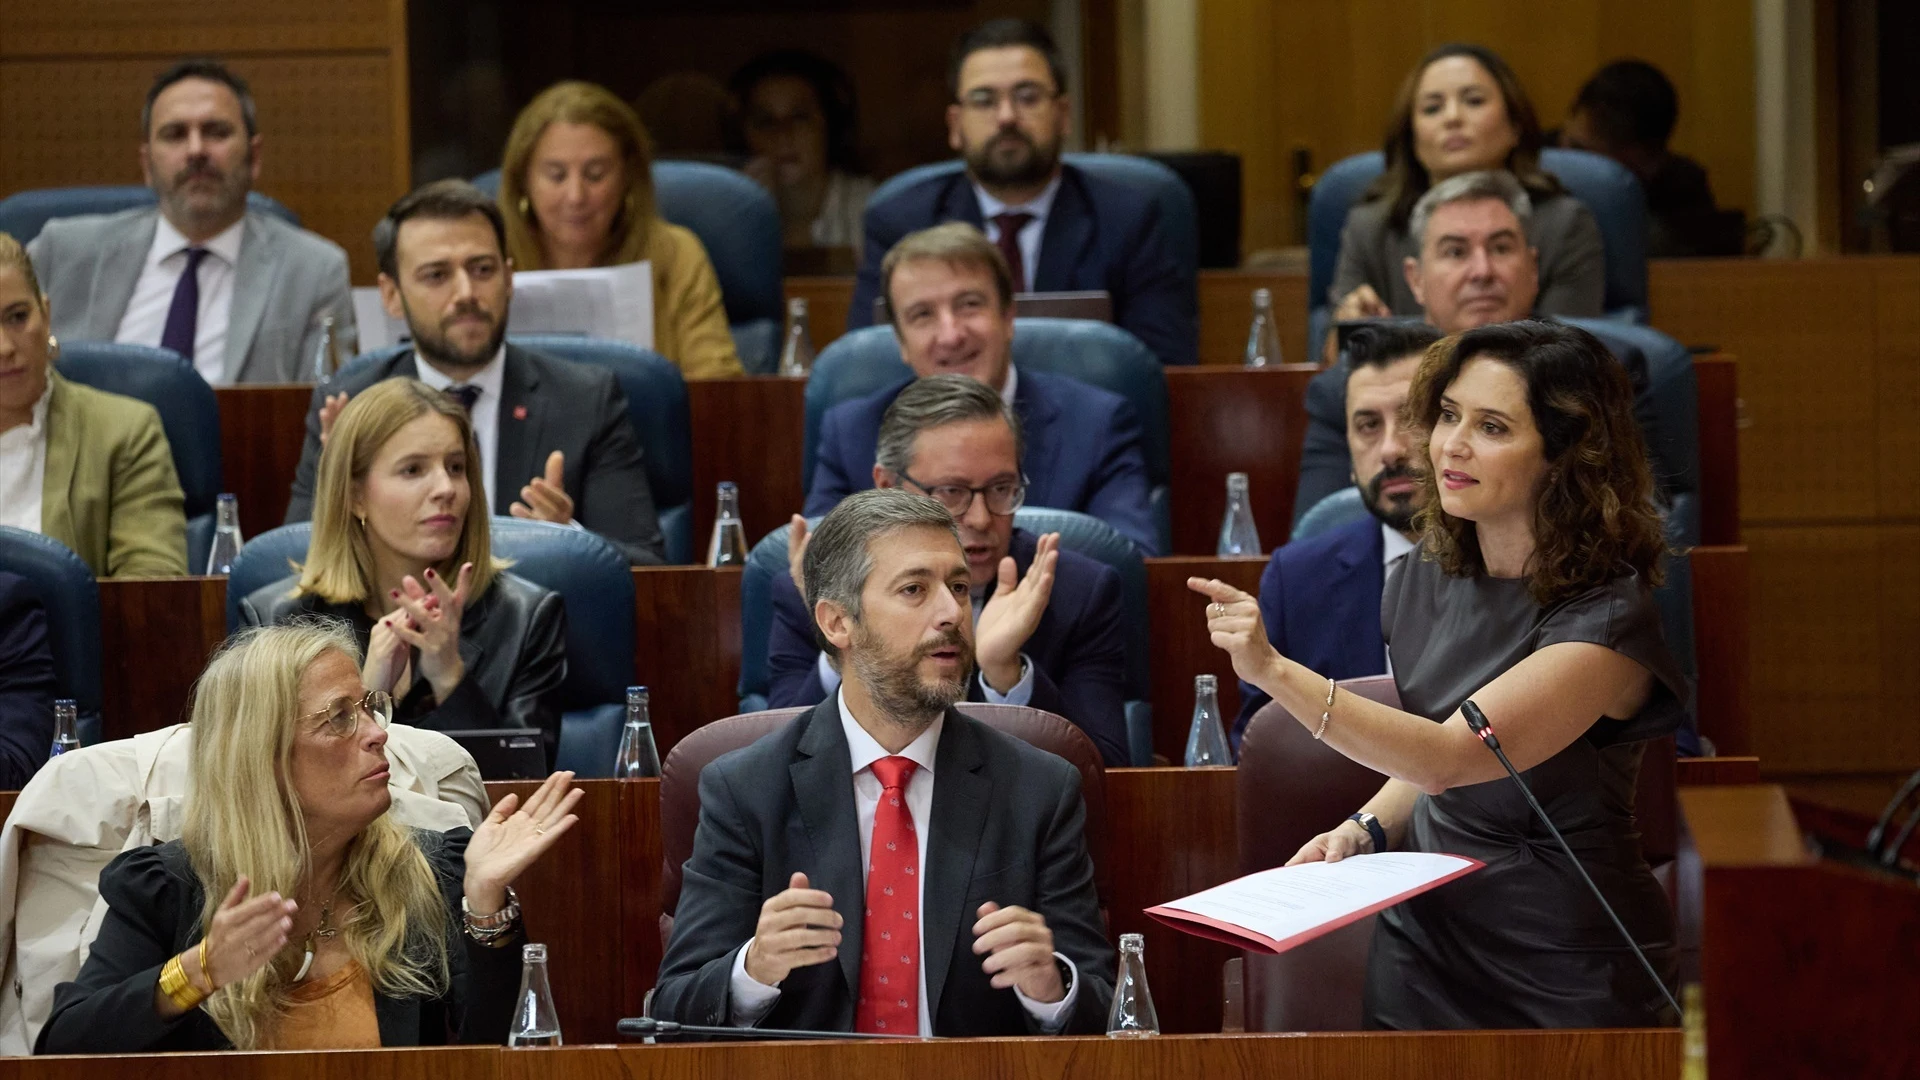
334 1013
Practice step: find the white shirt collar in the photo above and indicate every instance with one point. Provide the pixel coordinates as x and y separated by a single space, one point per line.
1394 545
168 241
1013 382
864 750
489 379
35 429
1039 206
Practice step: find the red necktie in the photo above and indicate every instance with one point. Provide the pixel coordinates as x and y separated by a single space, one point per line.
890 953
1010 226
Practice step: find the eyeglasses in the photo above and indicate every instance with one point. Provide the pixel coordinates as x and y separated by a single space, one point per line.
1026 97
342 716
1003 496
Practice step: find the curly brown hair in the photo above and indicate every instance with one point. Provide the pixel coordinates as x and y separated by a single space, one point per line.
1596 518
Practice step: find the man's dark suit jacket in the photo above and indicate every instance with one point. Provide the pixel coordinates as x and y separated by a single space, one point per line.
1083 452
574 408
1099 235
1078 652
1320 600
27 684
1008 826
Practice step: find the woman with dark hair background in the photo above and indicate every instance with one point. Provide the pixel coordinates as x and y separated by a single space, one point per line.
798 119
1530 592
1463 110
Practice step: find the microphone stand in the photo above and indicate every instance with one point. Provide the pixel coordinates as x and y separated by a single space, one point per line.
1477 720
1891 856
641 1027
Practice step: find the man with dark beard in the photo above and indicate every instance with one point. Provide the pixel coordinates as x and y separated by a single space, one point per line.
555 441
240 293
805 904
1060 228
1320 596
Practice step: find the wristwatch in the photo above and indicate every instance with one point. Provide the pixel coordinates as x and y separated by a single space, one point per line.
1372 825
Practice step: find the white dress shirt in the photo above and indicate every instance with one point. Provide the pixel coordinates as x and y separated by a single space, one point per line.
1039 206
1392 547
146 317
23 468
749 1000
485 414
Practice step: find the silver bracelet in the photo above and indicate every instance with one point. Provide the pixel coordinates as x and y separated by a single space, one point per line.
486 929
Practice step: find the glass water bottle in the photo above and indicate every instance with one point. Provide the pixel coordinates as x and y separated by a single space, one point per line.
1238 535
66 727
1132 1015
331 352
1207 739
535 1023
1263 337
796 356
729 544
638 757
226 536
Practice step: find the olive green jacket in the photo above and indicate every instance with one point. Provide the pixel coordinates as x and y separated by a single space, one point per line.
110 492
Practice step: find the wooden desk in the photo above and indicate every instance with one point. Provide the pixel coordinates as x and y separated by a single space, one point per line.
1222 420
263 428
1226 313
1177 620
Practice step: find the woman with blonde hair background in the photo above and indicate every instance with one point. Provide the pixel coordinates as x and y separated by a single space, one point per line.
401 552
293 912
576 188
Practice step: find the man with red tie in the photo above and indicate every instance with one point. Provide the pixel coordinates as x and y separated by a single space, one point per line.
886 863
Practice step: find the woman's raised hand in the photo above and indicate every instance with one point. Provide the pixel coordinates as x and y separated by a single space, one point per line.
244 936
514 836
1235 627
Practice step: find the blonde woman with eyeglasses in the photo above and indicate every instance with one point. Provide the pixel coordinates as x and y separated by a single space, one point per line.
293 912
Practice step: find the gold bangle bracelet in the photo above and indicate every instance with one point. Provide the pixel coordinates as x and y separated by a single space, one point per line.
178 988
1326 717
205 971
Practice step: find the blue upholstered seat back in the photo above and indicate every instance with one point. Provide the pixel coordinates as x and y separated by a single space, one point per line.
23 214
65 587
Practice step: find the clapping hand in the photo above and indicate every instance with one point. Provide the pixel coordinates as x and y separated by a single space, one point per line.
430 622
1234 626
1009 619
386 653
514 836
245 935
545 498
798 928
1018 948
330 408
797 554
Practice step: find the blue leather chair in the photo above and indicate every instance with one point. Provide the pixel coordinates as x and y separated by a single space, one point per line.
1331 512
23 214
1604 185
189 412
67 590
663 421
1079 533
739 226
867 360
657 407
1178 215
594 582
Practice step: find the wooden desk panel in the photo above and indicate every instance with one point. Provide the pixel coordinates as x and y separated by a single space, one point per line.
639 860
829 298
687 646
1226 313
1223 420
1722 647
1719 410
751 431
156 635
436 1063
1181 648
262 431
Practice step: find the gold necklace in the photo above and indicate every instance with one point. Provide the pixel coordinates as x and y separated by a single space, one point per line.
325 931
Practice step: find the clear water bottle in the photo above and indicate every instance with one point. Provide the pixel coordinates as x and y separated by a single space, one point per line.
729 544
535 1023
331 352
1207 739
638 757
1263 338
1132 1015
1238 535
796 356
66 727
226 536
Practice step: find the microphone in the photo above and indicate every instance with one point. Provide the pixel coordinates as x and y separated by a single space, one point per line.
1891 856
1477 720
641 1027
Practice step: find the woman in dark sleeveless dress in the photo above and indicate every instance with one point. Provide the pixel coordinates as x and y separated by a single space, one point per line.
1530 592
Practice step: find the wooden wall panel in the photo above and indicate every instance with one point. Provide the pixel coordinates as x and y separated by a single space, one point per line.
1321 75
330 82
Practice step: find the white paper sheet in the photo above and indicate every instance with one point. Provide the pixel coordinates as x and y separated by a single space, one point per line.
1285 906
605 302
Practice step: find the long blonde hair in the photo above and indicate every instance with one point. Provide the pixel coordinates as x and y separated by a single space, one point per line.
339 566
243 818
579 103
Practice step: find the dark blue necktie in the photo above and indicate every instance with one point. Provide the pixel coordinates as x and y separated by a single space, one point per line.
183 317
464 393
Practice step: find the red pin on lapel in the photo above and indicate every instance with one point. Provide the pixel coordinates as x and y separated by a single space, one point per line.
519 412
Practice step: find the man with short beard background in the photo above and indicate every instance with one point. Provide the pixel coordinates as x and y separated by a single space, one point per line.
252 311
884 862
1061 229
1320 596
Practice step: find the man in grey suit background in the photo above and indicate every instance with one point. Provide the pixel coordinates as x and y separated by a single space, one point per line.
241 294
555 440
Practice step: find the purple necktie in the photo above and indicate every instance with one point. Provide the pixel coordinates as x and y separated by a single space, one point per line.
183 316
1010 226
464 393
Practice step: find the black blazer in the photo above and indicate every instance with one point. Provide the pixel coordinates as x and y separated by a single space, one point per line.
577 409
27 683
1008 826
1099 235
514 643
153 914
1078 651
